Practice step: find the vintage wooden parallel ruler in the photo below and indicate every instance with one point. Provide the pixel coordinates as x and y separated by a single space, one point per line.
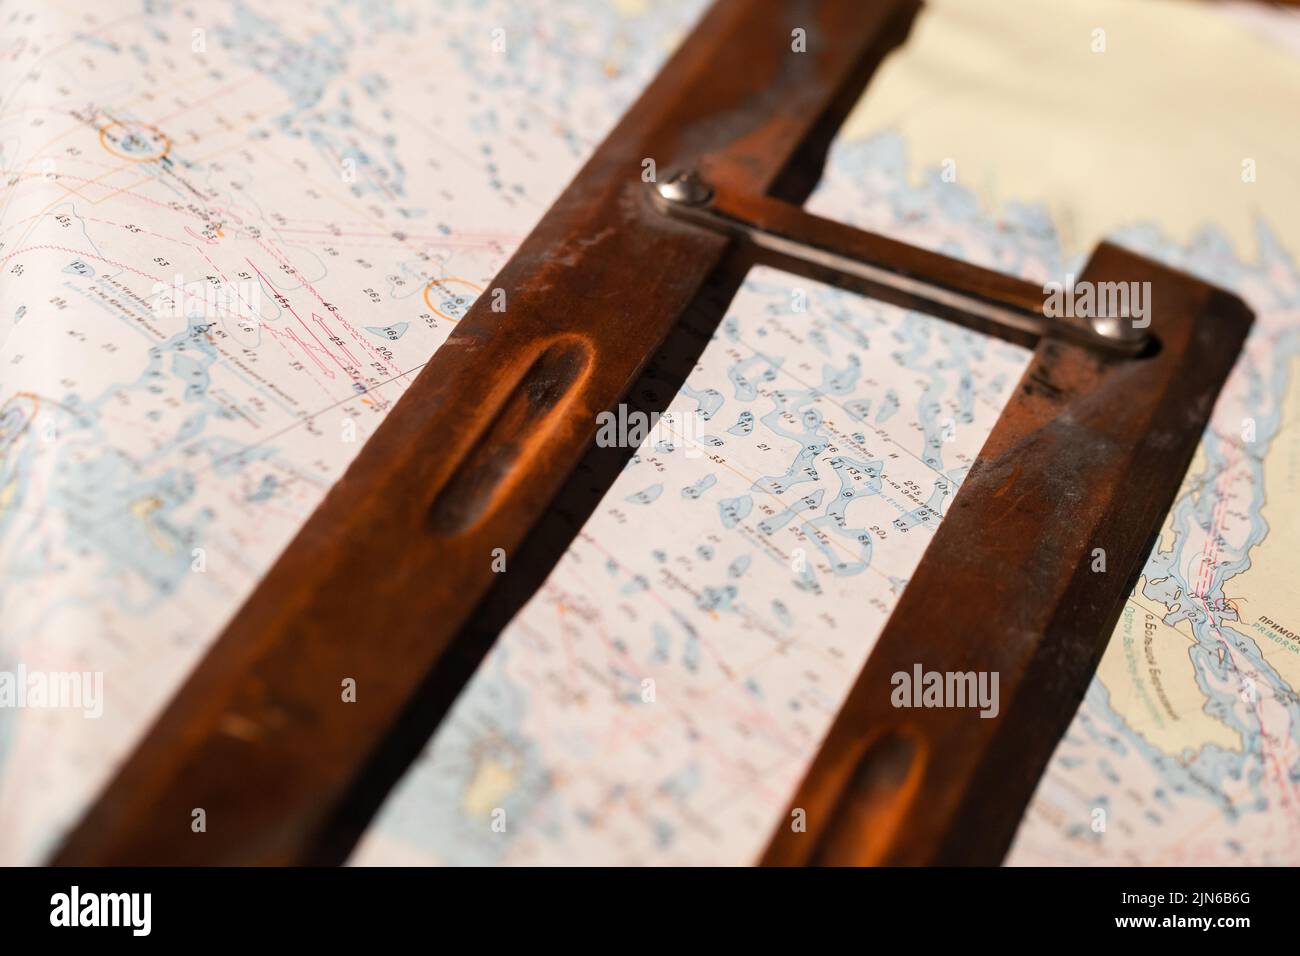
492 448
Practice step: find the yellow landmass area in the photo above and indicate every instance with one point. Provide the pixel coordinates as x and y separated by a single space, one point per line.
1152 683
1154 129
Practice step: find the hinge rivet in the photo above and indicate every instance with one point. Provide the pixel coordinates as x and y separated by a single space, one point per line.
685 187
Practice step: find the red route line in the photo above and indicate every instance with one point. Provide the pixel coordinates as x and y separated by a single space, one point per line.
1211 549
103 222
72 199
388 364
275 336
308 329
84 255
311 353
343 346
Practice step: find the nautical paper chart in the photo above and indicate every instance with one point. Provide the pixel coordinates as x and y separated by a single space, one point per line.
231 234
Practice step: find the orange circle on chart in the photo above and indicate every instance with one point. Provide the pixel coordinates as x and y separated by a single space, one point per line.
135 142
455 296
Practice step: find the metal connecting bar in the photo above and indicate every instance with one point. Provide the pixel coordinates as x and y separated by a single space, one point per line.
958 290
